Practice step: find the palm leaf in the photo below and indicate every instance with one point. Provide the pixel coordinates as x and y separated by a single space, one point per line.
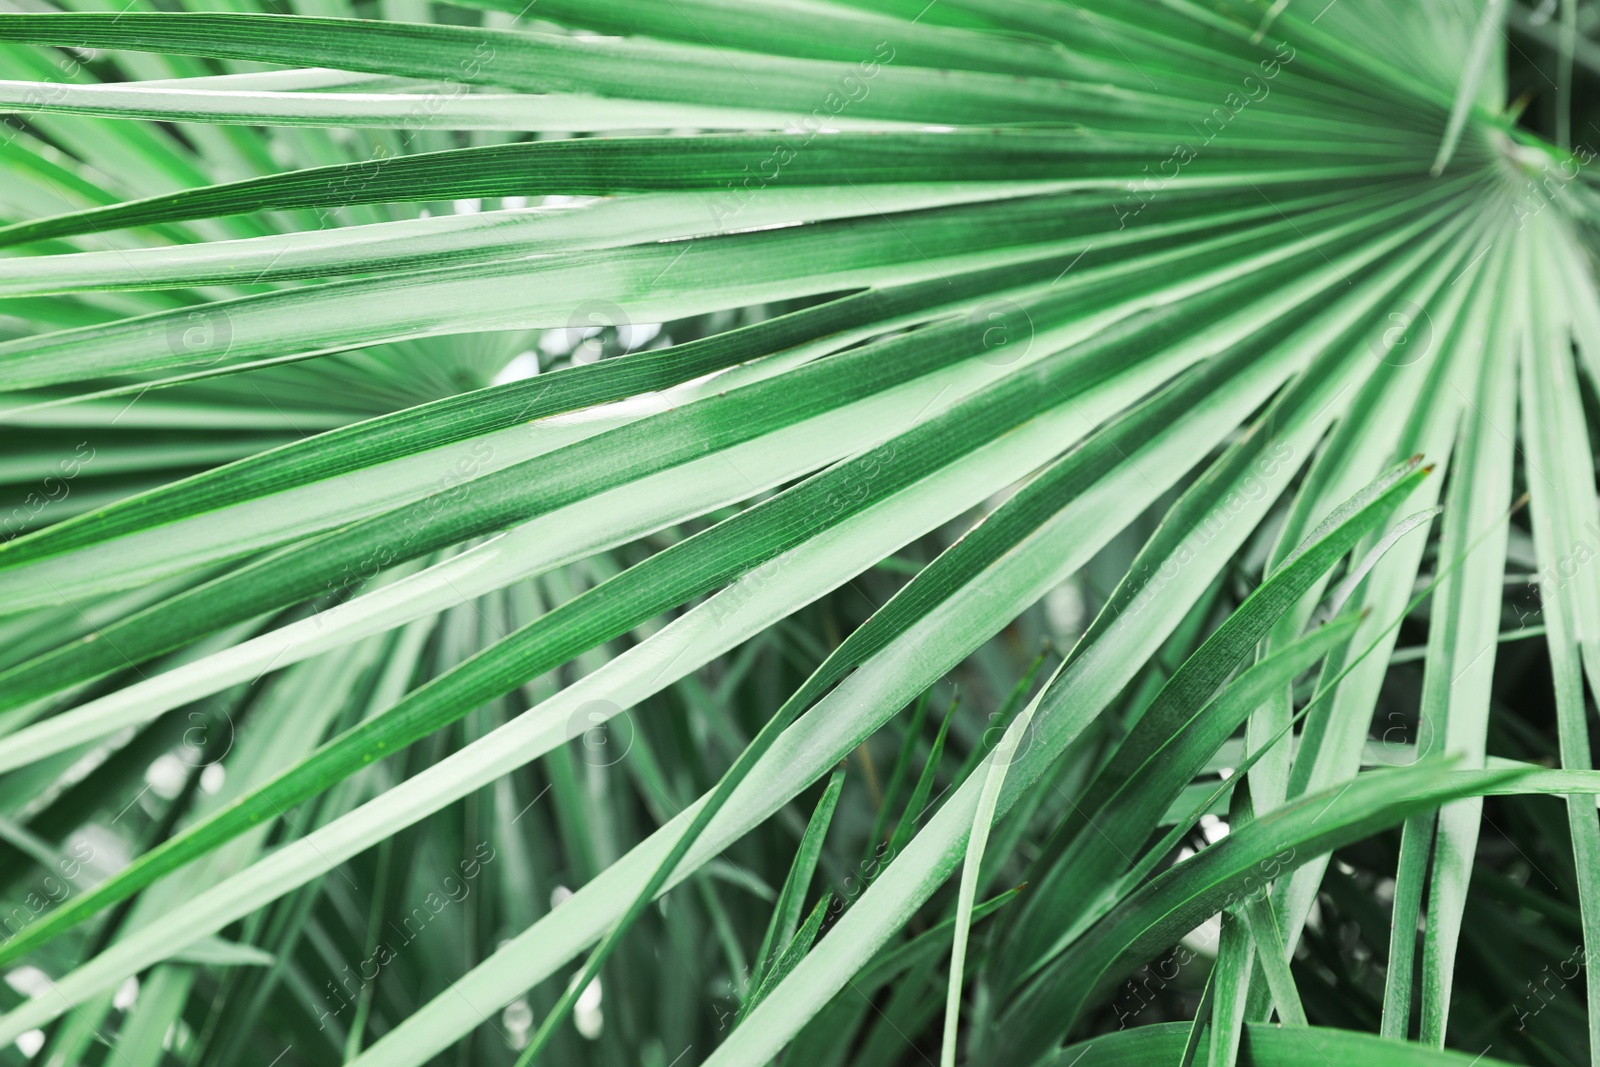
474 469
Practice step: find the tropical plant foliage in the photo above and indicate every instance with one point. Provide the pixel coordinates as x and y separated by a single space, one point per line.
724 532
